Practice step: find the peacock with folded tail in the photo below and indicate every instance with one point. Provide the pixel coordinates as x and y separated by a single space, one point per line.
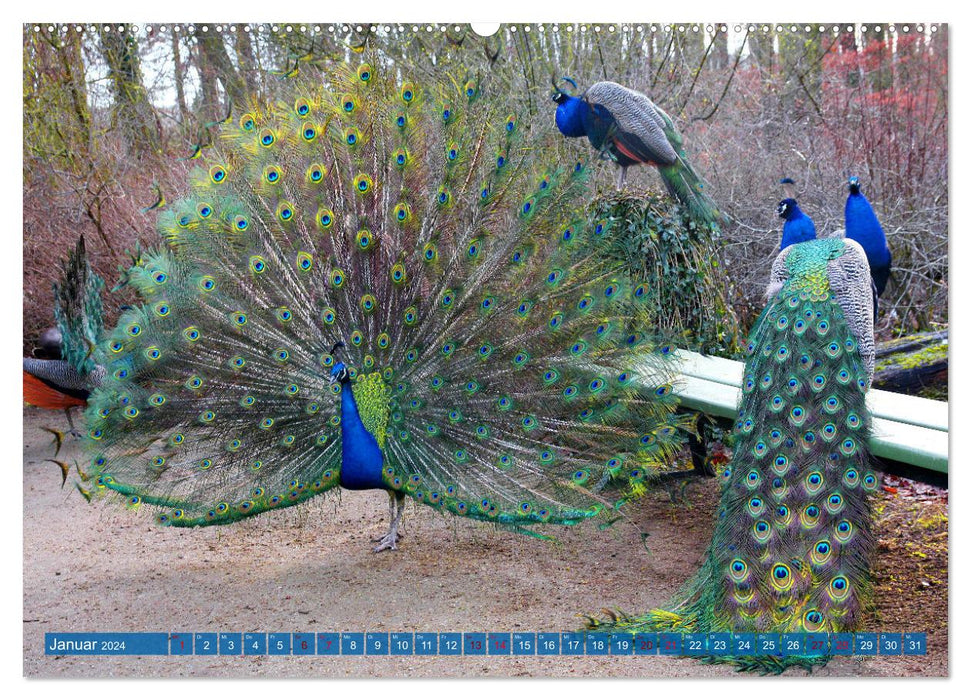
64 378
381 285
792 539
863 226
627 127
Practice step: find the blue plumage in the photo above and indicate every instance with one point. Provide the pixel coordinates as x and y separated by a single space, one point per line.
626 127
362 461
798 228
493 363
863 227
571 115
575 118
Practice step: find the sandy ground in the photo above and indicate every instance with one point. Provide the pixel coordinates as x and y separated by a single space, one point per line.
102 567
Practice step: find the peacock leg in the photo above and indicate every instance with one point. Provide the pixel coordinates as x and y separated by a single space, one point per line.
397 506
70 421
391 504
621 177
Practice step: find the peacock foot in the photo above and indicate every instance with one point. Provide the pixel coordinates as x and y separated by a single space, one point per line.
389 541
385 536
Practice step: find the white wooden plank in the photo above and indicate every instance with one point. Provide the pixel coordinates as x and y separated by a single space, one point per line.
914 444
913 410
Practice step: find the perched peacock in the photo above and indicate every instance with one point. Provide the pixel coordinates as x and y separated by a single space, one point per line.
798 227
65 379
792 539
625 126
863 227
379 285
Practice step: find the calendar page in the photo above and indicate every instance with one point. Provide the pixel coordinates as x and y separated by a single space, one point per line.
456 350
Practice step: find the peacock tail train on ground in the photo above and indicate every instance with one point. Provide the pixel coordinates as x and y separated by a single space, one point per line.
792 540
378 284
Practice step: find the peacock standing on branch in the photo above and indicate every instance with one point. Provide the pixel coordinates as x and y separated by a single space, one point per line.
863 227
625 126
65 379
792 539
380 285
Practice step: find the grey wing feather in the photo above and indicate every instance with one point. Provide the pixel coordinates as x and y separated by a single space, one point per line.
58 372
635 114
778 275
849 278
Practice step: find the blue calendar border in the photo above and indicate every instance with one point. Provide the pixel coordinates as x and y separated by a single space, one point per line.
391 644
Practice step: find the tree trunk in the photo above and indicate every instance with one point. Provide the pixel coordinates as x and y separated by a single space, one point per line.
246 58
213 49
184 116
133 114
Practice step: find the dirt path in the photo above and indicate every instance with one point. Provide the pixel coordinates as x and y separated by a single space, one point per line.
103 568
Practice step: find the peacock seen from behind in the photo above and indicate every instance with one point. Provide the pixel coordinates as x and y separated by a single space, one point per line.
792 539
377 284
628 128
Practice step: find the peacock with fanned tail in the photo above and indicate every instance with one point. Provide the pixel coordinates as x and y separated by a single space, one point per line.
792 539
380 285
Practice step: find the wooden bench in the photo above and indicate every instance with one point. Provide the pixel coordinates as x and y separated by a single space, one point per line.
906 429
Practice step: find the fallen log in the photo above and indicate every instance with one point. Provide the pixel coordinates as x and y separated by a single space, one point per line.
915 364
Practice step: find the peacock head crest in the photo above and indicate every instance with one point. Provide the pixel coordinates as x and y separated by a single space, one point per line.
854 184
562 94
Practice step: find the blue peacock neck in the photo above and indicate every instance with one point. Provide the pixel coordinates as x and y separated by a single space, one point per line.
863 227
570 117
362 461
